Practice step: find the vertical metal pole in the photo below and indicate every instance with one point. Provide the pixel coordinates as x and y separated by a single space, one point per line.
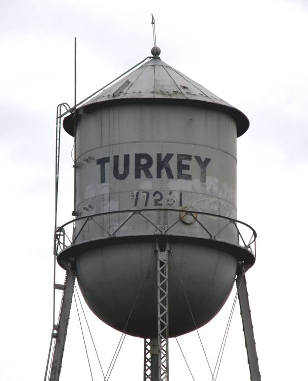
75 72
247 326
75 122
162 313
61 329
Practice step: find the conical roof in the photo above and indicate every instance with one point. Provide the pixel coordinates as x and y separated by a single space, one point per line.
156 81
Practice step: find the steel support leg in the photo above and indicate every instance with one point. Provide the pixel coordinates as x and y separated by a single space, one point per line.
60 330
151 354
248 327
156 356
147 361
162 313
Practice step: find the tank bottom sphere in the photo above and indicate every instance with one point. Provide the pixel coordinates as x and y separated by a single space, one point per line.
118 282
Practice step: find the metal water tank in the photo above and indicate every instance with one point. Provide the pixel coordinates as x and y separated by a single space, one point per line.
156 165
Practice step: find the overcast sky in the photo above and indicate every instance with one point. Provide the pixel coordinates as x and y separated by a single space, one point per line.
252 54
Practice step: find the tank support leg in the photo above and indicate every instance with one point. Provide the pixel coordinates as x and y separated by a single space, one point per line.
156 355
162 313
248 327
151 352
61 329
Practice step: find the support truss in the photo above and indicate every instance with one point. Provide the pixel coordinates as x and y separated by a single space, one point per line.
156 355
162 313
147 375
151 357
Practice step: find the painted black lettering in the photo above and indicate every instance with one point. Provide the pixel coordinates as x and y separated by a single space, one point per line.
102 163
136 198
158 200
181 199
116 171
143 162
202 164
183 167
163 164
146 196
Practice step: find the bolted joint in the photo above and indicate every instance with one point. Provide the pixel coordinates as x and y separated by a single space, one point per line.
240 267
163 256
162 248
55 331
154 347
77 164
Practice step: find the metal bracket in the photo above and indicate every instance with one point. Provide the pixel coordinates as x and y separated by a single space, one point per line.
59 286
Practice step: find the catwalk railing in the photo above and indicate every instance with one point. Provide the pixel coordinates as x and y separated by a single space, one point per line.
245 236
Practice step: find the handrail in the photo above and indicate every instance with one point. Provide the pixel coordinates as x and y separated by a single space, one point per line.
250 245
160 210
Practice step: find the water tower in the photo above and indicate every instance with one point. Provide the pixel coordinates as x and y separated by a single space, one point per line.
155 245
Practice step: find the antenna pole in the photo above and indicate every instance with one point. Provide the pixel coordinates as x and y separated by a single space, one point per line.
75 122
75 72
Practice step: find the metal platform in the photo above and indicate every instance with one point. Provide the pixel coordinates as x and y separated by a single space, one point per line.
244 251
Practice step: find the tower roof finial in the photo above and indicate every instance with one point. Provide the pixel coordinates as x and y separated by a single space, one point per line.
155 50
